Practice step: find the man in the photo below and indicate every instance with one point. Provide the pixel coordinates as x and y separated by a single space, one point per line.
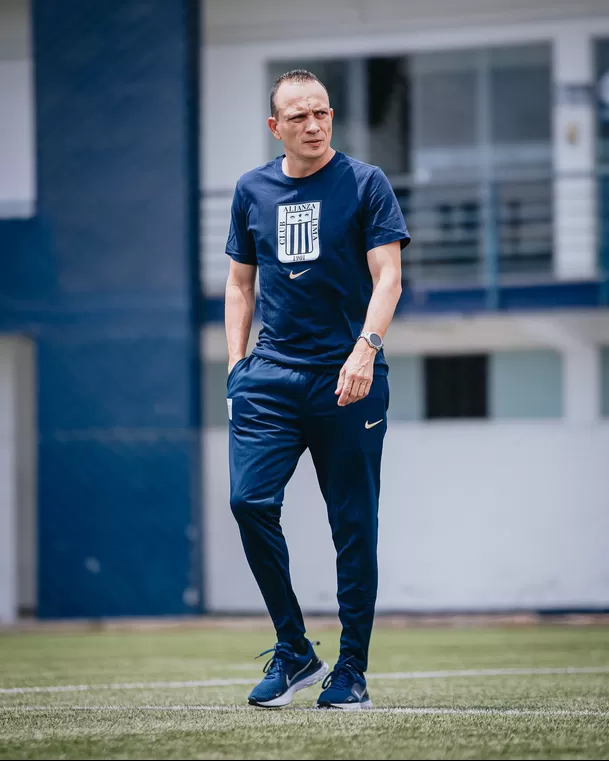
325 233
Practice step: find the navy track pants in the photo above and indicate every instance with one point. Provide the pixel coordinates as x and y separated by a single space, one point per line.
275 413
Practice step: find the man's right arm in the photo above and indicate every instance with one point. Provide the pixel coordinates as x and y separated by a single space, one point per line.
240 303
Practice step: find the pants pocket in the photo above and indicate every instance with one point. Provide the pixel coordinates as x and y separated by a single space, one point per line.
234 369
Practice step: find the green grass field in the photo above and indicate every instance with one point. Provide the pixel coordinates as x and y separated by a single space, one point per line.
135 694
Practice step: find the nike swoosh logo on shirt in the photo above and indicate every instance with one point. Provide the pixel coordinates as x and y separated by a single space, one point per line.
298 274
371 425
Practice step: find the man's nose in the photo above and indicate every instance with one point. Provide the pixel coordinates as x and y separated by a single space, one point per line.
312 125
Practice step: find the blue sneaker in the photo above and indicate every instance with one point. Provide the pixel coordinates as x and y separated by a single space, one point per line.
286 673
345 688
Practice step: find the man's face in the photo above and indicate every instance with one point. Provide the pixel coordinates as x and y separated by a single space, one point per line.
304 119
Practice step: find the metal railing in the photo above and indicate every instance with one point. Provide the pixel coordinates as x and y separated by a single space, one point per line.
465 234
477 232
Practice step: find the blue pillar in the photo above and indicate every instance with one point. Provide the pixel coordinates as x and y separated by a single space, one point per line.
117 322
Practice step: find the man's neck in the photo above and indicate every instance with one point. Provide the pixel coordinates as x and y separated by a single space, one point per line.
293 166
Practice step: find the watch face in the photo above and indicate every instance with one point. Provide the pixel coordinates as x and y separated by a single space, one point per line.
376 340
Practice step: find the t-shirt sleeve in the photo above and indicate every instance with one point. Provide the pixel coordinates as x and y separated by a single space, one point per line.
383 219
240 244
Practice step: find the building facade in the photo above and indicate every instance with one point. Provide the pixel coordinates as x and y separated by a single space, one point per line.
491 121
125 129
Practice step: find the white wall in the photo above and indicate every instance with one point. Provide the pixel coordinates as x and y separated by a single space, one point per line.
17 478
233 141
494 514
17 162
562 331
473 516
233 21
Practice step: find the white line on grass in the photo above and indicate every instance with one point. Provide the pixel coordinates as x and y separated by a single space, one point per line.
236 682
489 672
127 686
415 711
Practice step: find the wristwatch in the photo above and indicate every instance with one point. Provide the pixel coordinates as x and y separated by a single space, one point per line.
373 339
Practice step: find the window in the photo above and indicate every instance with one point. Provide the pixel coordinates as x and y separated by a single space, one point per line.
446 130
456 386
442 114
465 138
481 112
520 108
405 387
526 384
389 113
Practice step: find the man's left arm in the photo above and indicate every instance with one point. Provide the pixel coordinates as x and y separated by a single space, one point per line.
357 373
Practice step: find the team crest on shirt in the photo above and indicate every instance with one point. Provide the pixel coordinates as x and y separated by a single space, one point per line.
298 232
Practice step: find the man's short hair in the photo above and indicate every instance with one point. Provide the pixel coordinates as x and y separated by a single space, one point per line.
299 76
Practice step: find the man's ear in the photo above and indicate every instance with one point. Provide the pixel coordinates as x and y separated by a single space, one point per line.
273 126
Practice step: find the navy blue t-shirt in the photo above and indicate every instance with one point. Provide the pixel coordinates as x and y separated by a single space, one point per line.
309 237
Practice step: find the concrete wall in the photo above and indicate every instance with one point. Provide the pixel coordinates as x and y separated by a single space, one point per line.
475 515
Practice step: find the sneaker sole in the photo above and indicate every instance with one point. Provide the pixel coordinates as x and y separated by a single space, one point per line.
288 695
364 706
